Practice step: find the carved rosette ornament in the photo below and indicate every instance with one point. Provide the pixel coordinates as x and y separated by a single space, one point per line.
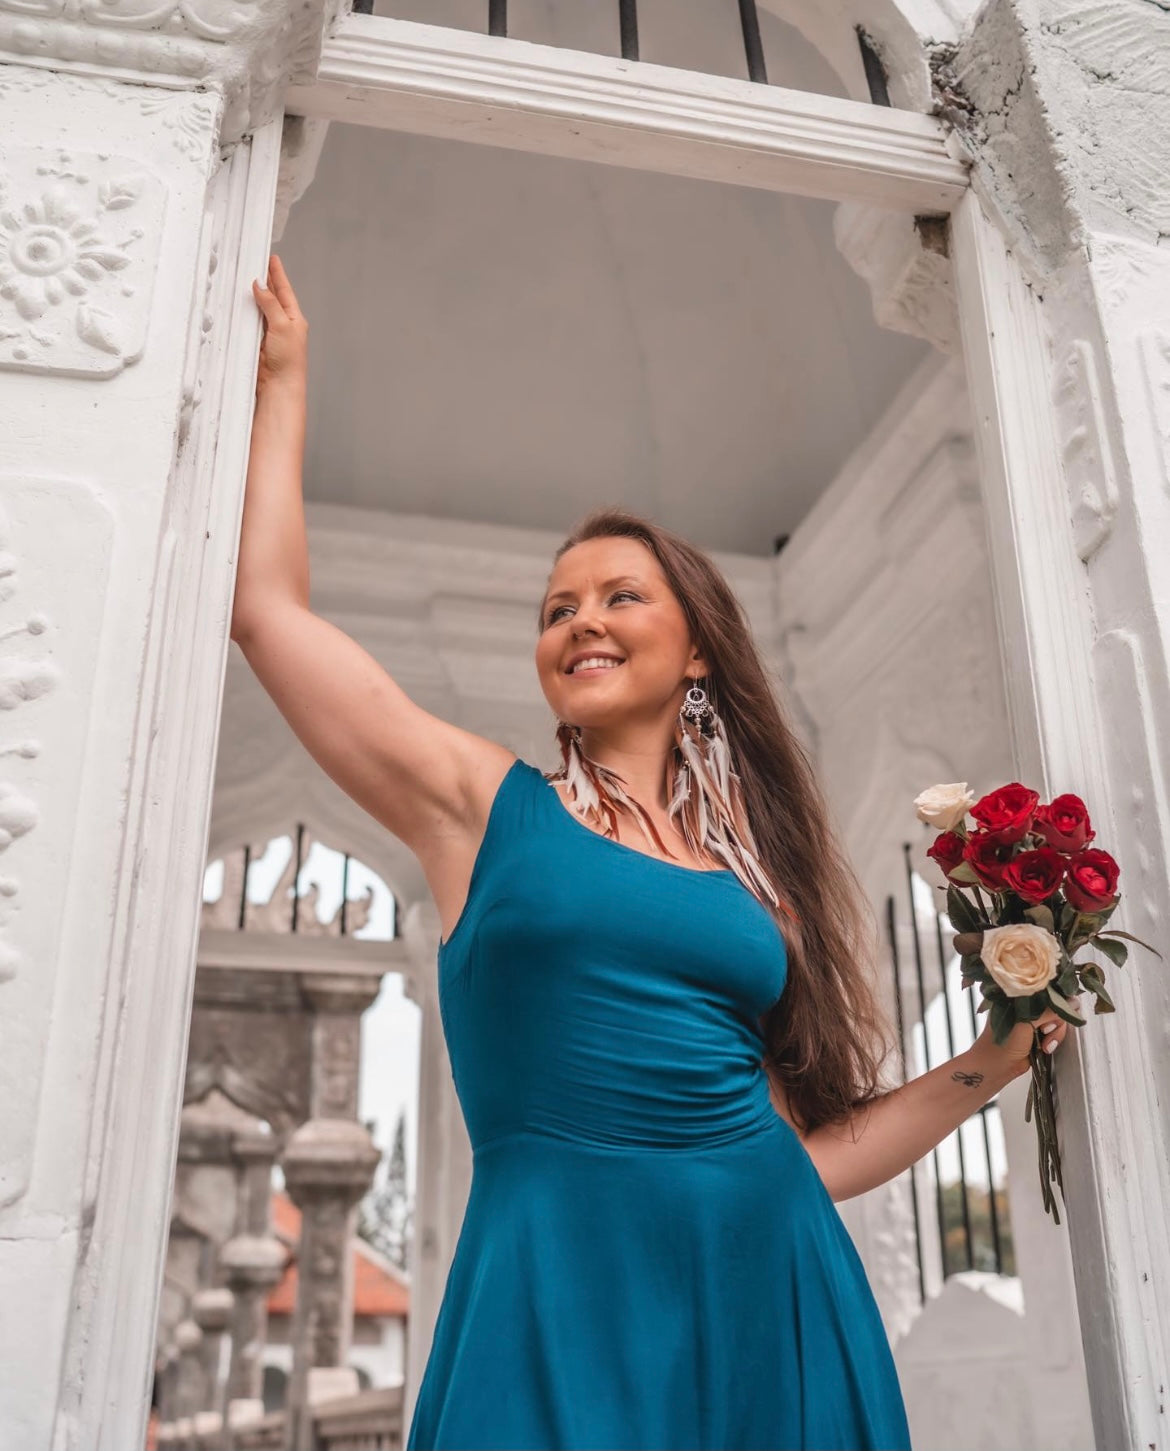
79 236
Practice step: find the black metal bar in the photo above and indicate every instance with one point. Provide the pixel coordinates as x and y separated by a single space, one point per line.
875 72
753 46
497 17
996 1240
297 874
938 1184
942 973
344 889
628 21
892 933
244 889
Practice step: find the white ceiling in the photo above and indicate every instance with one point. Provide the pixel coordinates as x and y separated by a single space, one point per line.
512 338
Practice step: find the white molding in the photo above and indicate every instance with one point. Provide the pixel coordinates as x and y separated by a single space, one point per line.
1120 1241
487 89
155 914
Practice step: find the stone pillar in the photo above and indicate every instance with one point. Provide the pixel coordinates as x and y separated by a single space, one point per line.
212 1312
444 1151
190 1381
253 1263
138 163
338 1000
328 1165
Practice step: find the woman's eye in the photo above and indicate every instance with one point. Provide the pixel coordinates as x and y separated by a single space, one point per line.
617 595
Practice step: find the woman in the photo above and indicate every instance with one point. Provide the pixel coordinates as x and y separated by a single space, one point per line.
654 992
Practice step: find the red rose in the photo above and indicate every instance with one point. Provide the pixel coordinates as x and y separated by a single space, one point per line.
1035 875
1064 825
987 858
947 851
1005 815
1091 880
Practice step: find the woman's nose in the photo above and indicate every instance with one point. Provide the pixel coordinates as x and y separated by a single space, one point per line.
585 620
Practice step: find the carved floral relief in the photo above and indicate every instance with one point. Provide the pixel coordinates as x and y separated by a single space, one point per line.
24 676
79 239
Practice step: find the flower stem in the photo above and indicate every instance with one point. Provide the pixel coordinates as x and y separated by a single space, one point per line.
1040 1099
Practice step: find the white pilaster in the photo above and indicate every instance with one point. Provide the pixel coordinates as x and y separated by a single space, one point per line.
127 346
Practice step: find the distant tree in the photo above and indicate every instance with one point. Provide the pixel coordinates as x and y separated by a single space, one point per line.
384 1219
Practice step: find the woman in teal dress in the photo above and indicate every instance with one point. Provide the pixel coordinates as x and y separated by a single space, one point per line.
655 986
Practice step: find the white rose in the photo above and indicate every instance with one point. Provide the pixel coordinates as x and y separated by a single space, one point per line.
1021 958
944 806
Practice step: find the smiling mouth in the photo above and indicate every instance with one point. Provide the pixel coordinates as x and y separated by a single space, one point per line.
594 667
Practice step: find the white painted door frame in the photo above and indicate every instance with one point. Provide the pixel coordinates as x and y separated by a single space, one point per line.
489 90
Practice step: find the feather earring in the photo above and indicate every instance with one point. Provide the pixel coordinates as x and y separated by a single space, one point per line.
706 797
597 793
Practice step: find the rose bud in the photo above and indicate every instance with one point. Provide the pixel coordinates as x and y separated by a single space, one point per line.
1035 875
1064 824
947 851
987 858
967 944
944 806
1090 882
1006 814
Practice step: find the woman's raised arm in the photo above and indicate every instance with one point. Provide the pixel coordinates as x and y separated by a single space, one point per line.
427 781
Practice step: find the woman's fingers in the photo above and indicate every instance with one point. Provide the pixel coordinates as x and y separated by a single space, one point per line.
1052 1029
267 302
282 287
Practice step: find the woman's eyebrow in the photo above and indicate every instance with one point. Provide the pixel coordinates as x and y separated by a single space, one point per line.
606 584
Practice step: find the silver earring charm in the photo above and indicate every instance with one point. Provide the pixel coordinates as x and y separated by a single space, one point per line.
698 709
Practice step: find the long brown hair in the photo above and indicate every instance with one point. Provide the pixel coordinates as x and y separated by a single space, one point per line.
826 1038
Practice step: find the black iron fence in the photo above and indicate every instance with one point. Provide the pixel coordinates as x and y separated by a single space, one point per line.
970 1206
626 21
295 892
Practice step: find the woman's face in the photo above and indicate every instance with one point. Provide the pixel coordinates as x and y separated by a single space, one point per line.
608 600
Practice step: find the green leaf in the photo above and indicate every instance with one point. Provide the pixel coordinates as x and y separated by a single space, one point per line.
1117 932
1093 978
1003 1019
964 916
1063 1008
1116 952
963 874
1042 916
1067 982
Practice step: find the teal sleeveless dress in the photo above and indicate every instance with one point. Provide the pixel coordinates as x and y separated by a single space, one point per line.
648 1257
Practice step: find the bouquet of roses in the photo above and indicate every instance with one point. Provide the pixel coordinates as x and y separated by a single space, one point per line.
1039 895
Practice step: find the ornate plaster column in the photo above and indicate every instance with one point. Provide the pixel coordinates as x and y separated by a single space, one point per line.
444 1151
1063 107
139 147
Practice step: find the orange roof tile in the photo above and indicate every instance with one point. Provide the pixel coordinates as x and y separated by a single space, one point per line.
379 1287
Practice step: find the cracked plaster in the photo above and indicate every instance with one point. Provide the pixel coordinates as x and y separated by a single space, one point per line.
1066 106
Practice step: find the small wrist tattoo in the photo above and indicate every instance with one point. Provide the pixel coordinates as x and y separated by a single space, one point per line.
972 1080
